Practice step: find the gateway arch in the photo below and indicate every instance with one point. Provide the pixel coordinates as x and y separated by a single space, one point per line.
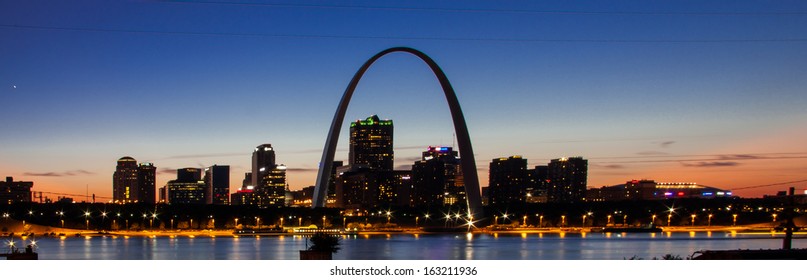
467 162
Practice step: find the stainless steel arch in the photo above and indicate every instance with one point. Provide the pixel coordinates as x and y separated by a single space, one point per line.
467 162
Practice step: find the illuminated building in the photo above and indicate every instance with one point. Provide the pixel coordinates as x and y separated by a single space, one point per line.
124 181
537 184
13 192
246 194
357 187
268 178
437 178
134 183
146 183
368 180
567 179
507 181
188 188
217 181
371 143
651 190
402 185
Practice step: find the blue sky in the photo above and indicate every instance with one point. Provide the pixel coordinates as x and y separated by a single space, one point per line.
712 91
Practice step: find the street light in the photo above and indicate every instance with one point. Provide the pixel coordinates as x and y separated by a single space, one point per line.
416 221
625 220
734 222
584 219
693 219
541 221
281 222
609 220
87 218
653 221
669 217
525 220
300 221
710 220
323 221
258 222
774 217
562 220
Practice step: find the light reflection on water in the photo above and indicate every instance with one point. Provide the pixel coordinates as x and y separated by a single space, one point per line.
498 246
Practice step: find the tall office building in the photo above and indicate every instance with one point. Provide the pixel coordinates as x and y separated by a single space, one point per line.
124 181
268 178
189 174
188 188
567 179
368 180
507 180
133 183
246 195
437 178
146 182
217 181
371 143
263 160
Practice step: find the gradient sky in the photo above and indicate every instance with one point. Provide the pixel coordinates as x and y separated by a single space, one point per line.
694 91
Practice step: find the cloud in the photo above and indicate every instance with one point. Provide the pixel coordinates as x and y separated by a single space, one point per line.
712 164
167 170
59 174
301 169
652 153
608 166
207 155
739 157
666 144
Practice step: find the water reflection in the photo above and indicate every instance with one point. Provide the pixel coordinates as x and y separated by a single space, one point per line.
480 246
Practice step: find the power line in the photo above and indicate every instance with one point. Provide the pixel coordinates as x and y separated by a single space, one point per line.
769 185
69 194
511 11
457 39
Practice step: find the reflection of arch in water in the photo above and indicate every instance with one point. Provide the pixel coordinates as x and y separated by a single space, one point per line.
467 161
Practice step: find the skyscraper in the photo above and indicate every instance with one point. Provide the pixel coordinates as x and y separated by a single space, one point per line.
437 178
263 160
567 179
368 180
188 188
146 182
124 181
371 143
508 181
217 181
268 178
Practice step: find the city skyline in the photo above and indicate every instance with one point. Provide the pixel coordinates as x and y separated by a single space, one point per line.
704 93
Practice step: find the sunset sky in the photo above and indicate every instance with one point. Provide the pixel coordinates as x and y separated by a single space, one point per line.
713 92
